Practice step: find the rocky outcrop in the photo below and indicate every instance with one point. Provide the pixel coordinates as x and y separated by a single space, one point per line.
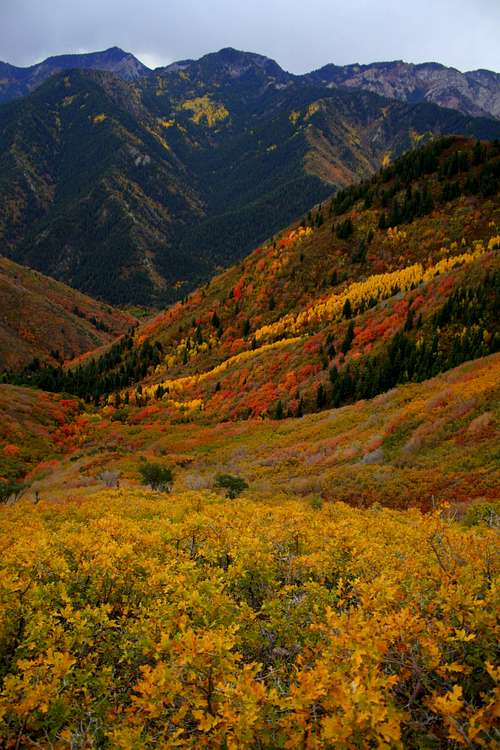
475 93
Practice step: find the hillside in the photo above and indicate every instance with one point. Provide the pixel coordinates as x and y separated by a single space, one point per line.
336 311
35 432
139 192
400 269
45 320
267 517
415 445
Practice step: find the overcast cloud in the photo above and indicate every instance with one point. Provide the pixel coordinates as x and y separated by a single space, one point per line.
301 35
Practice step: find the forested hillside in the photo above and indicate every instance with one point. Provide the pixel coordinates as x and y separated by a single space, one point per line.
393 280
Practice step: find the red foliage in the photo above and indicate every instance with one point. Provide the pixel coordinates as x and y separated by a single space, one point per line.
147 411
11 450
306 371
238 289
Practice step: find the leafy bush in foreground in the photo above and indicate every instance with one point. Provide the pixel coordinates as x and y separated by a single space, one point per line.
194 622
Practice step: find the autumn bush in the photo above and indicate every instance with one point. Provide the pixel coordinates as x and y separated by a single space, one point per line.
156 476
232 485
128 621
483 513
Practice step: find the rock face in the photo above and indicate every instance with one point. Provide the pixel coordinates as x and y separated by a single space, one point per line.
475 93
16 82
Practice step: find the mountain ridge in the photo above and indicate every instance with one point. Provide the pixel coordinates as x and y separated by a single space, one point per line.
139 192
475 92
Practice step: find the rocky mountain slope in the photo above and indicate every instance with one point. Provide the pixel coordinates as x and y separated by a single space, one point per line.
137 192
476 92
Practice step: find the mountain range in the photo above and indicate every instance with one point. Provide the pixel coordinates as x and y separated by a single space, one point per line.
138 190
474 92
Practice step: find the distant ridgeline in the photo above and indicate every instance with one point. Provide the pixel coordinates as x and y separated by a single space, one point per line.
392 280
136 186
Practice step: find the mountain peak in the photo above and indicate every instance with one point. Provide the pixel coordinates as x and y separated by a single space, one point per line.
231 54
231 63
117 51
18 82
112 53
235 57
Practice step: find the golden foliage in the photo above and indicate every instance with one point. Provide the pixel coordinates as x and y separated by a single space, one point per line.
203 108
189 621
180 384
377 287
166 123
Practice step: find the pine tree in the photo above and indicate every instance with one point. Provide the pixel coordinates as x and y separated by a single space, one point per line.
320 397
300 408
278 412
349 338
347 309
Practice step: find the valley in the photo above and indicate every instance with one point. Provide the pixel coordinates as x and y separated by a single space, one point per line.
249 405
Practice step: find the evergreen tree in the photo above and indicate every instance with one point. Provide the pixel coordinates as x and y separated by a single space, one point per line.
349 338
347 309
320 397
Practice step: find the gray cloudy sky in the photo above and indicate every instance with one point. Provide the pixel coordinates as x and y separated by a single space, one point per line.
300 34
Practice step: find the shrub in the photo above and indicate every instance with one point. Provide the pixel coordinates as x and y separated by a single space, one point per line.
483 513
120 415
233 486
156 476
11 490
110 478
